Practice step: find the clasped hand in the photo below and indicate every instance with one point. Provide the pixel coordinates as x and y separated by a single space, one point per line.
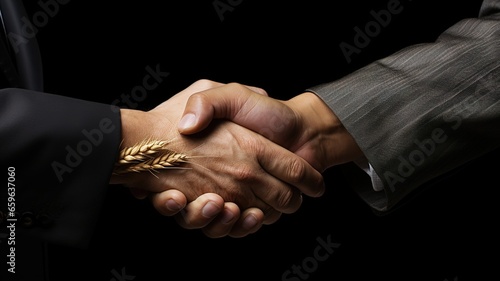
251 157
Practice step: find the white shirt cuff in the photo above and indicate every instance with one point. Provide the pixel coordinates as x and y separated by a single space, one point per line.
377 183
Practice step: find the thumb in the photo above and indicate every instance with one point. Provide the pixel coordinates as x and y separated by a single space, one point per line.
198 114
221 102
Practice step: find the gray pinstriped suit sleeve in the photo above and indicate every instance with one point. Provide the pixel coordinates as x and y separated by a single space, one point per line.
426 109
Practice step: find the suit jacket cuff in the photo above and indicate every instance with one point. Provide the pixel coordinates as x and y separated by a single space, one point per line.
63 150
426 110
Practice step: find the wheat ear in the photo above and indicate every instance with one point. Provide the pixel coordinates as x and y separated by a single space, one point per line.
149 156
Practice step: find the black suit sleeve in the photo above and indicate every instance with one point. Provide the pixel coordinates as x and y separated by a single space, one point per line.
62 152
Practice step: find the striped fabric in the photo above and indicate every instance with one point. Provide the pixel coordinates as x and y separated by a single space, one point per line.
425 110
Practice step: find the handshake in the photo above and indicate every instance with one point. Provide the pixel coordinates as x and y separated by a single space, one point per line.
246 158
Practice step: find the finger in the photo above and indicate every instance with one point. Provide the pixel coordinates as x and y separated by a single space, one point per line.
200 212
221 102
249 222
281 198
169 202
223 223
271 217
290 168
268 117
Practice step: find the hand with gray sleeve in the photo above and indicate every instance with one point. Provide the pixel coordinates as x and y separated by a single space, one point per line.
406 119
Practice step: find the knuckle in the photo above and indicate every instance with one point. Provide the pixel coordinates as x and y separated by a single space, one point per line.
205 83
297 171
286 200
201 97
261 91
244 174
236 87
238 195
234 84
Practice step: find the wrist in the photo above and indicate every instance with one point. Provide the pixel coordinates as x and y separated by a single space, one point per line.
136 127
323 130
131 132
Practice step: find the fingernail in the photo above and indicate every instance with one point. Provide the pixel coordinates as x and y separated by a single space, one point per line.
210 210
250 222
187 122
227 217
172 205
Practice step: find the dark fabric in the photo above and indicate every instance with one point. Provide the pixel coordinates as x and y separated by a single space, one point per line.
248 42
425 110
62 152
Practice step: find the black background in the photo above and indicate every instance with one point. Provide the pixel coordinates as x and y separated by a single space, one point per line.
98 51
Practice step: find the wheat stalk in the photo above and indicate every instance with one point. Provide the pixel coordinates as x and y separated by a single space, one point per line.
149 156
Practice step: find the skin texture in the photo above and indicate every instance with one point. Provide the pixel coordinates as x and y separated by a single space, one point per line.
304 124
237 180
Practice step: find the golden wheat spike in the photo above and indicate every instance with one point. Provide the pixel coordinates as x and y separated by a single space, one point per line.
148 156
